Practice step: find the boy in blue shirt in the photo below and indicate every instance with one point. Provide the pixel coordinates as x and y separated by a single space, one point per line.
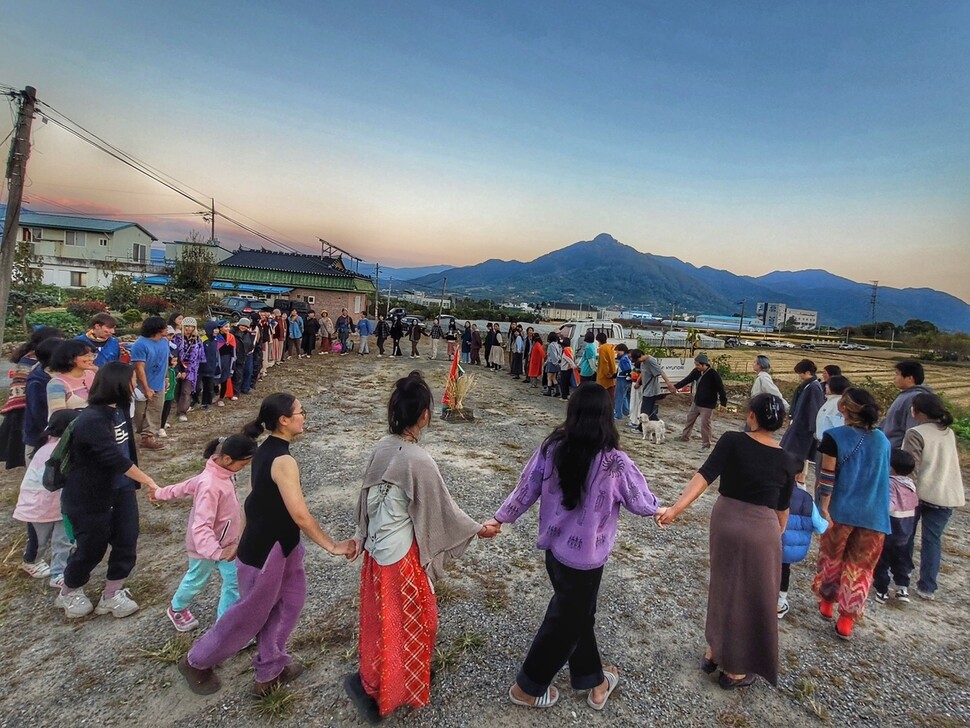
149 355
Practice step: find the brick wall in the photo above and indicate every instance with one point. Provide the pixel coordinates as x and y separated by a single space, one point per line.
331 301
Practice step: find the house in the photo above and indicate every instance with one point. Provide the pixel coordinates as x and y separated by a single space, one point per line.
77 252
323 282
174 249
778 314
423 299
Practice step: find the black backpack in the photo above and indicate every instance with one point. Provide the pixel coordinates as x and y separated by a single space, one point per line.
59 462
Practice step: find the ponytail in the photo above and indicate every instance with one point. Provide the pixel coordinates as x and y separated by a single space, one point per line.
234 447
860 408
274 406
768 410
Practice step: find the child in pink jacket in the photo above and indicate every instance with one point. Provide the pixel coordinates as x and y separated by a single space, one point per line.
214 526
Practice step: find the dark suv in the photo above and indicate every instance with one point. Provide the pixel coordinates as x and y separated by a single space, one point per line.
236 307
285 306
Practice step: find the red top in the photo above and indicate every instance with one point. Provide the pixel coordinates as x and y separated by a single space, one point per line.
537 360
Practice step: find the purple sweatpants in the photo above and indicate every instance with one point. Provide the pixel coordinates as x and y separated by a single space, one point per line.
269 606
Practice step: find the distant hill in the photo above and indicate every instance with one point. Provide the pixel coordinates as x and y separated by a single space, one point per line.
604 271
401 274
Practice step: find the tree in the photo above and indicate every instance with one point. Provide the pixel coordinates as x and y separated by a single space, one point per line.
789 325
918 326
27 292
196 266
123 293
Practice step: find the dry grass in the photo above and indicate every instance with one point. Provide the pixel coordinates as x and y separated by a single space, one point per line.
169 653
148 589
804 693
333 631
446 591
448 656
732 719
277 704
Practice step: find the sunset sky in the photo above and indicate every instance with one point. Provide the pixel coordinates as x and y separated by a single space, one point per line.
752 136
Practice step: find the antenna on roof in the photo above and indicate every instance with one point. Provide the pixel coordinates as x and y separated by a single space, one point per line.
329 250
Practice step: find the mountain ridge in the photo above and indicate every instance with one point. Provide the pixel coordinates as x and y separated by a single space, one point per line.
606 272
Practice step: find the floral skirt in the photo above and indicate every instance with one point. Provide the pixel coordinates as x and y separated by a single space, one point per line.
398 623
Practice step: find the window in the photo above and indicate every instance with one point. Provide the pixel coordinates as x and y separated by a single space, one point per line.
75 238
139 252
310 299
356 304
25 235
36 234
103 242
78 279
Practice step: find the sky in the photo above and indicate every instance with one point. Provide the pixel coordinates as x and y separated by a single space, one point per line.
750 136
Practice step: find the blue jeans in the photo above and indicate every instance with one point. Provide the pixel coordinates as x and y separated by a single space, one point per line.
621 405
934 521
247 375
197 577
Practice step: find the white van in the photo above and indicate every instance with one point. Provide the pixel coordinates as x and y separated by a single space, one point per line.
575 331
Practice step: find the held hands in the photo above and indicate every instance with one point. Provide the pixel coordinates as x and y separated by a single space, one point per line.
671 388
664 517
490 529
152 489
348 549
228 553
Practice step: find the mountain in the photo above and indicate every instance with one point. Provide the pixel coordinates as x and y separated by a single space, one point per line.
401 274
604 272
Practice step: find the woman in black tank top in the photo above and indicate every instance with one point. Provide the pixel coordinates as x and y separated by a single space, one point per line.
272 582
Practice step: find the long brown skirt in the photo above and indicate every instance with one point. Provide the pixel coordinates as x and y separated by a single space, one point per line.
742 621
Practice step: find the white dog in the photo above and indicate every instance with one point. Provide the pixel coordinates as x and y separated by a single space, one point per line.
654 428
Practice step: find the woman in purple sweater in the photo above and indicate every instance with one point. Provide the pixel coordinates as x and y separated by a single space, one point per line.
583 479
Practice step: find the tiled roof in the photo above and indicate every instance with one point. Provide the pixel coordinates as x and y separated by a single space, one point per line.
286 263
72 222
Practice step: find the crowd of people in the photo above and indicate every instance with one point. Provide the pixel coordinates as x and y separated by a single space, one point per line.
80 410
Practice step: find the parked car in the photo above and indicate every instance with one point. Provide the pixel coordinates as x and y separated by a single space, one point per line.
285 305
396 312
808 345
409 321
762 343
235 308
444 320
845 345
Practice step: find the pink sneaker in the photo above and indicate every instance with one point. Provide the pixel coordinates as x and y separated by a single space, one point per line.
183 620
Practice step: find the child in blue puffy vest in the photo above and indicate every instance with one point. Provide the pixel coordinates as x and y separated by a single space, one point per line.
803 519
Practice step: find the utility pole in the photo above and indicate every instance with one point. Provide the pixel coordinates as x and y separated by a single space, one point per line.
741 320
16 173
441 303
390 281
377 290
872 305
212 233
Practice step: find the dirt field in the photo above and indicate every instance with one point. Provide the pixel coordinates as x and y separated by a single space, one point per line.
907 665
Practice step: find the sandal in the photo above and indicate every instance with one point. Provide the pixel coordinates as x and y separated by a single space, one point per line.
730 683
612 680
543 701
708 666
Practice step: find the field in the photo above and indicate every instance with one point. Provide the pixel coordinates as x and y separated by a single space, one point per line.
906 666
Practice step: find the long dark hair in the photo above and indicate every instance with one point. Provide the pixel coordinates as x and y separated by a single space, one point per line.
235 447
933 407
589 429
39 335
271 409
112 385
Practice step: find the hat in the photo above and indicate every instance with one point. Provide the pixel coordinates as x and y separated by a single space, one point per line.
189 321
221 322
699 359
241 322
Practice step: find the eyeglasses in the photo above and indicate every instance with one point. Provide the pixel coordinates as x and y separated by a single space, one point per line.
300 412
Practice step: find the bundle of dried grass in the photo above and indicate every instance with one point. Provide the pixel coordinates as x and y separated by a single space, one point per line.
458 389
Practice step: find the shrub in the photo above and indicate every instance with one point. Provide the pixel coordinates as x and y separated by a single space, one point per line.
71 325
122 293
153 305
131 316
84 310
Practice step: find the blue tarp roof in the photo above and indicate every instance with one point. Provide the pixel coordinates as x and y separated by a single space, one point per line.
218 285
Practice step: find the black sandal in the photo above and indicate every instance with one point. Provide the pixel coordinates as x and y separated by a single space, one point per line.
729 683
708 666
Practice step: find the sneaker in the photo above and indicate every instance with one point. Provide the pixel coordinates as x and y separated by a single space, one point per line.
150 443
161 432
120 605
183 418
234 398
928 596
56 582
205 408
882 597
38 569
902 594
783 608
183 619
843 627
220 403
75 604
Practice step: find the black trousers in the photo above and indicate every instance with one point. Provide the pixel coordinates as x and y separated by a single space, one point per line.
785 577
895 557
515 366
565 382
33 545
650 406
208 387
94 532
566 634
309 343
397 348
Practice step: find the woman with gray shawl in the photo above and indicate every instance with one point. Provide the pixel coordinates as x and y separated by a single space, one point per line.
409 526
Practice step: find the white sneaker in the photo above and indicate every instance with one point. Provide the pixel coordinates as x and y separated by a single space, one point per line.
56 581
234 398
38 569
161 432
75 604
220 403
120 605
783 608
183 418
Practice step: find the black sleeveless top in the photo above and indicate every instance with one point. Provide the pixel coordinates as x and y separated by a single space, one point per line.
267 520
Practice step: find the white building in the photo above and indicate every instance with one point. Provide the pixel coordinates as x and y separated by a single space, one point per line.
567 311
777 315
423 299
78 252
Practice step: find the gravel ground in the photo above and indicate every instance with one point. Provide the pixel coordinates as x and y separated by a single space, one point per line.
905 667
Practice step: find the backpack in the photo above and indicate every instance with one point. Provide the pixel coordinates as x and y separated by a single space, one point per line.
59 462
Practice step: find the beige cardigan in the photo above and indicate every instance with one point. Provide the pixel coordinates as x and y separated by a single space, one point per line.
441 529
937 474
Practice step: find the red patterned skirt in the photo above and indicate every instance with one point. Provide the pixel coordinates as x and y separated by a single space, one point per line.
398 623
